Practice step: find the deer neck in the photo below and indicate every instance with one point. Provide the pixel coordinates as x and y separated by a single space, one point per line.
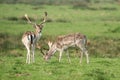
52 49
38 35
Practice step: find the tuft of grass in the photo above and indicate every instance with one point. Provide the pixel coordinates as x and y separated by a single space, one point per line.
104 47
63 20
116 30
99 74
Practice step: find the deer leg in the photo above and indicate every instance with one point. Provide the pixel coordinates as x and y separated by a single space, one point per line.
86 53
81 52
81 56
33 53
84 50
60 55
68 55
28 55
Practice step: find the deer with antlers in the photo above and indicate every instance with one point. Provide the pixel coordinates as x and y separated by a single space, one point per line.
30 38
66 41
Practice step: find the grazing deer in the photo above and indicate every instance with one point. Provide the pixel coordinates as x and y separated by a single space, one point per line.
66 41
30 38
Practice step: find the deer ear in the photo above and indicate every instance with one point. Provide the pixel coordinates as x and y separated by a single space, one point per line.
35 26
49 44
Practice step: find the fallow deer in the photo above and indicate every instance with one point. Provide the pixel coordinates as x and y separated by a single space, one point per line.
30 38
66 41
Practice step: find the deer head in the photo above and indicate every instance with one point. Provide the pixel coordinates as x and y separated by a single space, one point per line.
52 49
38 27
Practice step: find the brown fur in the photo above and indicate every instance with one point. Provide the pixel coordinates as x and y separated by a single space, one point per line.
65 41
32 42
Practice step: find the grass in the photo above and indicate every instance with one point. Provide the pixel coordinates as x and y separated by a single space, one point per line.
99 22
98 69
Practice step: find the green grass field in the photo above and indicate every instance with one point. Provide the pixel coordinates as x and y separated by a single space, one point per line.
15 68
99 22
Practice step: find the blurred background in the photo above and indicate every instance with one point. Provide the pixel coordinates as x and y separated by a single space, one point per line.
99 20
58 2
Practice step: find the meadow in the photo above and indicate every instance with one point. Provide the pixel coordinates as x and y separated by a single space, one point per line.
99 22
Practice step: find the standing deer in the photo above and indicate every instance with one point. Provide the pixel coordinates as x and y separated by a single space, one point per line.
30 38
66 41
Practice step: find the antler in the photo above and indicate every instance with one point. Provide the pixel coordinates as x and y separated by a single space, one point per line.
29 21
44 19
26 16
